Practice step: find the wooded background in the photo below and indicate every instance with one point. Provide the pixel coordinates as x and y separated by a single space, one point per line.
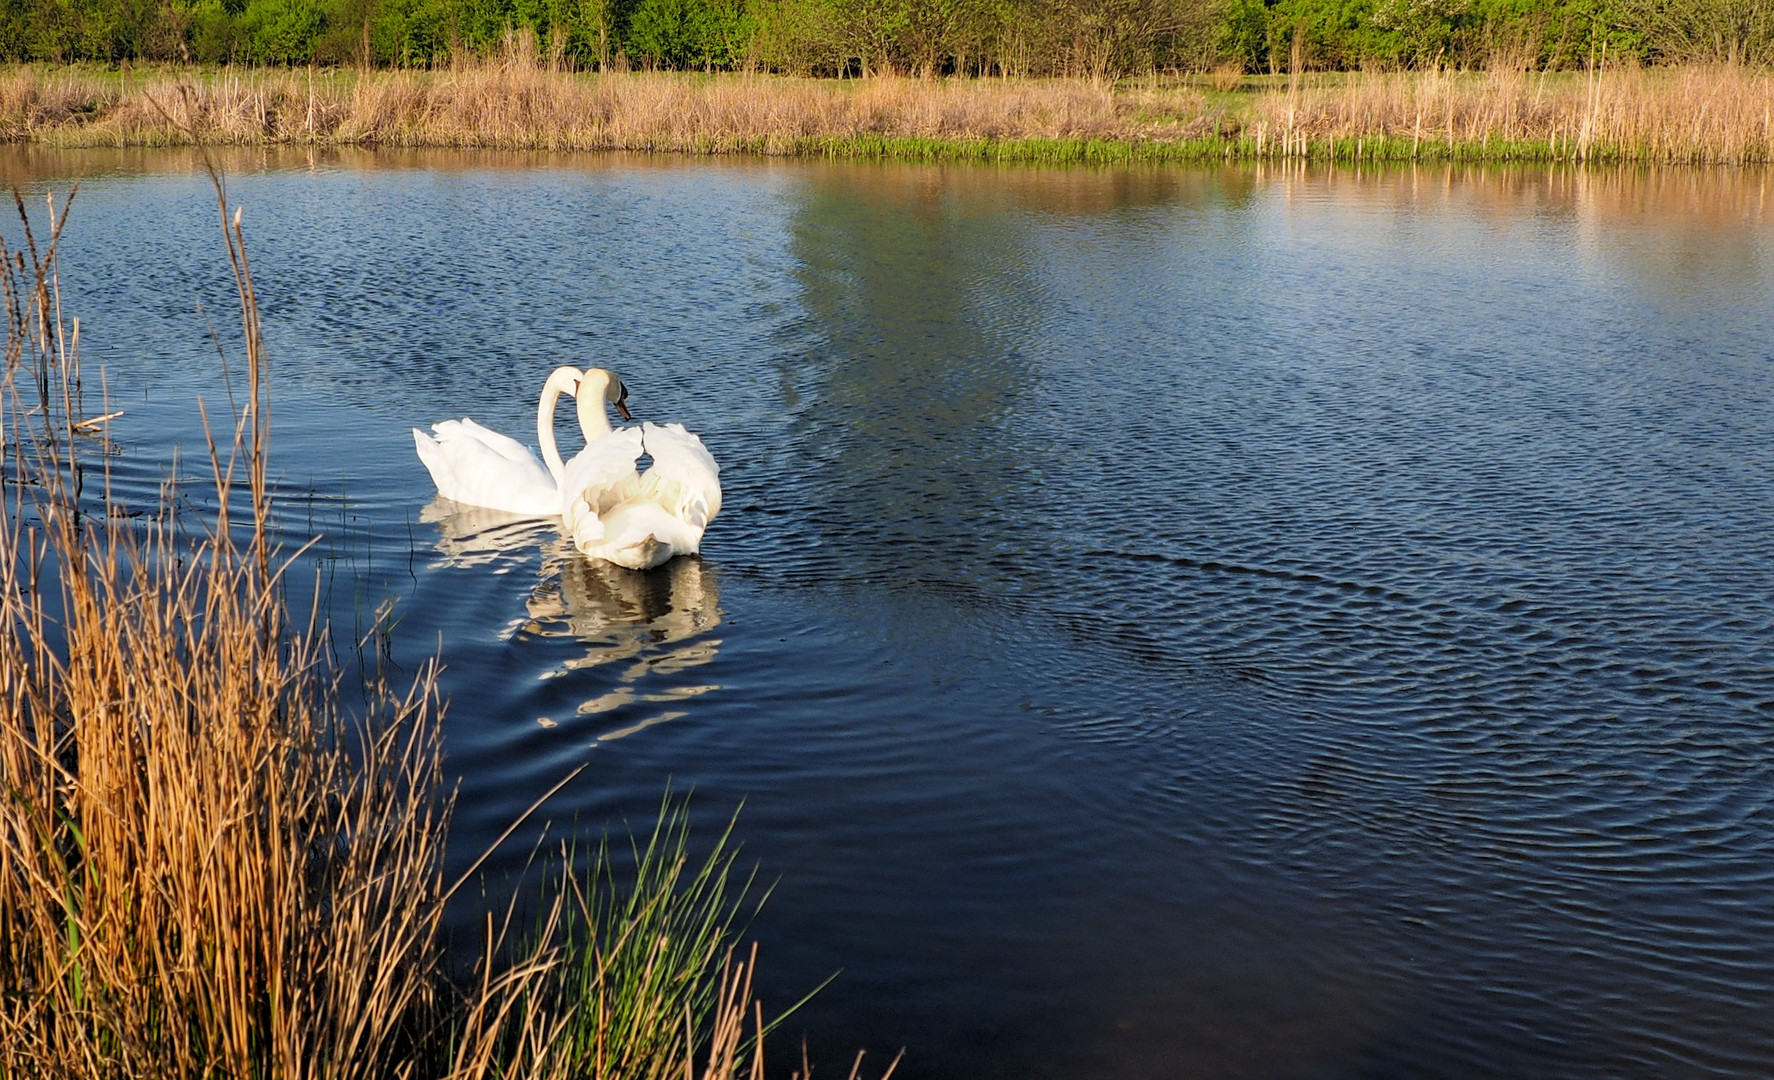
1084 38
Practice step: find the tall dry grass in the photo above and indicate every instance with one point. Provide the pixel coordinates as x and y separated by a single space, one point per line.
515 104
208 869
1721 114
204 868
1702 115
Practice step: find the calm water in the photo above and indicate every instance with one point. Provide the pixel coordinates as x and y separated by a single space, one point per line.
1170 623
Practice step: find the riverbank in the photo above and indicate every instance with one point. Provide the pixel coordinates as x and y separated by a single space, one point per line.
1689 115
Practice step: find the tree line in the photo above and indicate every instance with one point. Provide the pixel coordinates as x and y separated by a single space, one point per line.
1094 38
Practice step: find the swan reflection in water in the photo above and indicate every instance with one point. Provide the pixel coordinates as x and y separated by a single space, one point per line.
655 624
475 536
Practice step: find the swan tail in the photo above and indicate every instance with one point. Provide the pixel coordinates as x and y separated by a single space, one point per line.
640 536
431 455
643 535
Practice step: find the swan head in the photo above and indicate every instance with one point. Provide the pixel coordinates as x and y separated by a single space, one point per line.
564 380
617 394
596 389
613 391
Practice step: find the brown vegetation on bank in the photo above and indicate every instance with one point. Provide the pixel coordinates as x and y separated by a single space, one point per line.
519 106
1718 114
1697 114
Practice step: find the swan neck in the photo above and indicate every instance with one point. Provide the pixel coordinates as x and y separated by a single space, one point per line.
551 455
594 423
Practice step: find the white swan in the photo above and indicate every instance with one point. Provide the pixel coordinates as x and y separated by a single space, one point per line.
637 520
479 467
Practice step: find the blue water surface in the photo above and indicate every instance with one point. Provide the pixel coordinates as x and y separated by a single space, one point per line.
1164 623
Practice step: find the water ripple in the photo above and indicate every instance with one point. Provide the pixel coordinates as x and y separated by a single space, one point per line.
1169 622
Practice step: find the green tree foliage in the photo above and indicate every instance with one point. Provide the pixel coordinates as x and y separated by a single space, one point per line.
1715 31
1270 35
690 33
281 31
1090 38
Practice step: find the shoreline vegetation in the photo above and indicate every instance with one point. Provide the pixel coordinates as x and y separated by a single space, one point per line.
1711 114
1107 81
209 868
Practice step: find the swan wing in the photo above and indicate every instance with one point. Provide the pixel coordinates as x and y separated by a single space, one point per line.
503 445
684 478
604 465
597 478
469 471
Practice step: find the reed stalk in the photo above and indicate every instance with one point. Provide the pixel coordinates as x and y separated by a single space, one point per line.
205 868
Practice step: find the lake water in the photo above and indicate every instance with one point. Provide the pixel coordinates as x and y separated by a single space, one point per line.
1164 623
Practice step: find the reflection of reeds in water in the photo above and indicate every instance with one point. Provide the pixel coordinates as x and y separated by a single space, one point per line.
655 622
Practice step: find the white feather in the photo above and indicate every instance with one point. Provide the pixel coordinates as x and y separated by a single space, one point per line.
638 520
476 466
468 469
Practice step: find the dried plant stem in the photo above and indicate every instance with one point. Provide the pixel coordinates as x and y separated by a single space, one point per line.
204 869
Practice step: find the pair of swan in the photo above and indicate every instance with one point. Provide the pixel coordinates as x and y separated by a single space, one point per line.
611 510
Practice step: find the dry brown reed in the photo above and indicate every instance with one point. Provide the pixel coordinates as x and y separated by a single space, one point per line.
200 874
207 869
1695 115
1719 114
514 104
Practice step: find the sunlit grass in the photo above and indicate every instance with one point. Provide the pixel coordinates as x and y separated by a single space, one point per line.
1692 115
1696 114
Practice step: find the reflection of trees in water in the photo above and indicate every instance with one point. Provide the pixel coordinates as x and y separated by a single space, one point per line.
931 295
653 622
920 301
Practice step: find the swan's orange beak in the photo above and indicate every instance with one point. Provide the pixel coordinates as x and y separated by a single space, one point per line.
622 406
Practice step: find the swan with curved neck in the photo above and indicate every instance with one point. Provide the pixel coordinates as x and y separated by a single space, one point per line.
596 387
637 520
562 380
476 466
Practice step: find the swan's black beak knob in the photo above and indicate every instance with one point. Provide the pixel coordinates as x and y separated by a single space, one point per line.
622 406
